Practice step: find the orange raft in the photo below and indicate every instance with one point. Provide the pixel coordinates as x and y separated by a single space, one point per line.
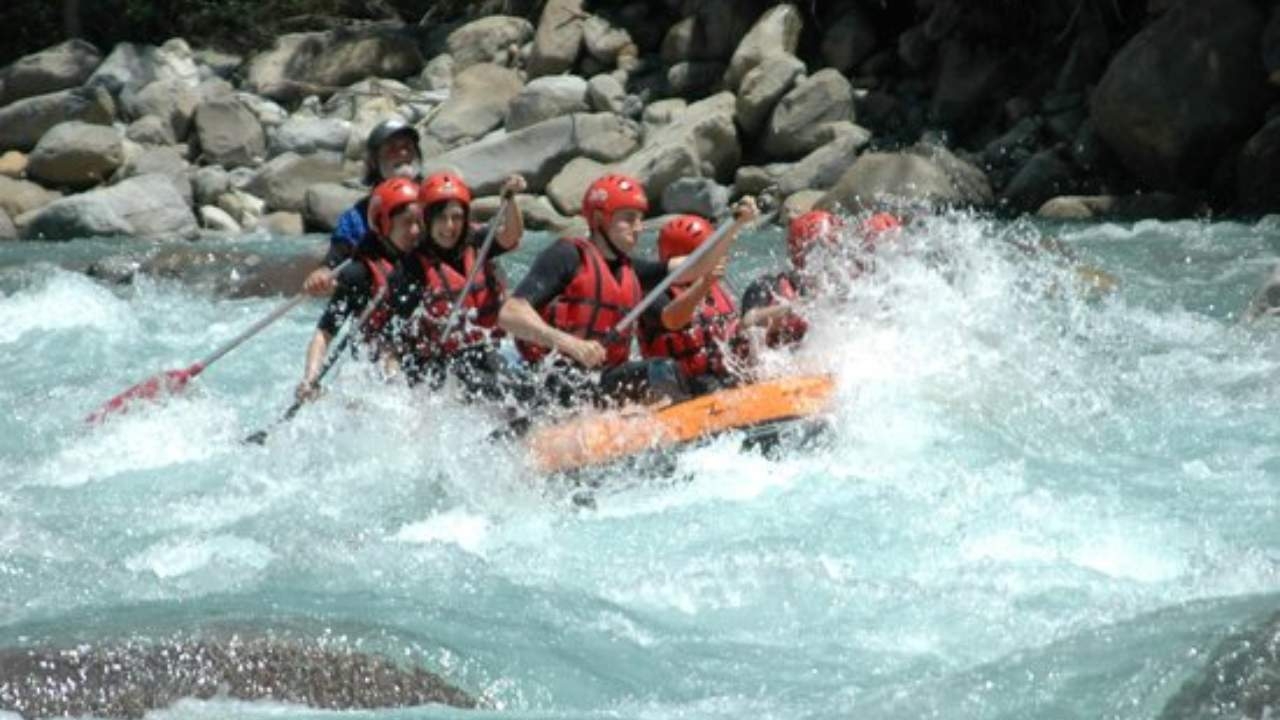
610 436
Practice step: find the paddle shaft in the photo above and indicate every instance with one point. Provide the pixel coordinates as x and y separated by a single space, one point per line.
481 257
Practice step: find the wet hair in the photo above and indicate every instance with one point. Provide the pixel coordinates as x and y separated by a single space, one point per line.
436 211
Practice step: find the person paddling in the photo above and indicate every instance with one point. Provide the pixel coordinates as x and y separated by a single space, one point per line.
426 288
395 224
577 291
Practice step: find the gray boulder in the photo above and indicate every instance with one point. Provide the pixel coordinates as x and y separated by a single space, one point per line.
325 202
283 182
268 112
170 162
438 74
701 141
244 208
762 87
539 152
849 40
877 177
145 206
370 98
700 196
535 210
558 40
150 130
228 133
547 97
777 31
77 155
173 101
63 66
607 43
756 179
301 64
606 94
217 219
1183 88
23 123
18 197
132 66
823 167
487 39
477 104
284 223
795 127
7 230
569 185
303 135
680 43
208 184
694 78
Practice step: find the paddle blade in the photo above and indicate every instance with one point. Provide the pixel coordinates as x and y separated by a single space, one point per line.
155 387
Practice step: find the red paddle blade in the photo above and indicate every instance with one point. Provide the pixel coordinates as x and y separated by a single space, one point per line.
153 388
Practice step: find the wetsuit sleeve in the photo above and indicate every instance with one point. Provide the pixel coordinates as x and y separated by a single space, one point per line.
404 292
476 240
551 273
347 235
354 288
649 272
758 294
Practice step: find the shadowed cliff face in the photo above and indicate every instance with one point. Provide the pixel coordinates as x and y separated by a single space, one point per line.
1241 680
128 680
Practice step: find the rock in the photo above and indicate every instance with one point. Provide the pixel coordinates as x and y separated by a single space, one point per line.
145 206
569 185
283 181
7 230
438 74
167 161
13 164
536 211
538 152
849 40
214 218
24 122
208 183
606 42
762 87
150 130
303 136
65 65
967 80
132 66
606 94
915 49
267 112
1258 171
76 154
228 133
220 64
173 101
970 181
798 204
282 223
700 196
18 197
301 64
877 176
793 130
702 141
756 179
483 40
558 39
663 112
371 99
777 31
695 78
720 25
1044 176
244 208
545 98
477 104
1183 88
324 203
823 167
680 43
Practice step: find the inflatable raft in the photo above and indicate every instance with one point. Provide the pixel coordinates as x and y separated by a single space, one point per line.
608 437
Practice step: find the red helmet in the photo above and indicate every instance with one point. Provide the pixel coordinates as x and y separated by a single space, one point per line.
443 187
809 228
387 198
610 194
681 236
875 227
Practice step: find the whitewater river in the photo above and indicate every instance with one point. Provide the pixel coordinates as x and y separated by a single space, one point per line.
1036 501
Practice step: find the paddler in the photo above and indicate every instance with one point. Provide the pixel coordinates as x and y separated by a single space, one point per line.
391 150
578 290
770 301
426 288
395 224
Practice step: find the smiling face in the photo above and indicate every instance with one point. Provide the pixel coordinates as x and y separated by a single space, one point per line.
398 157
624 228
448 221
406 227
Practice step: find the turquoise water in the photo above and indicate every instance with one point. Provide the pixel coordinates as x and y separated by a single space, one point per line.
1037 502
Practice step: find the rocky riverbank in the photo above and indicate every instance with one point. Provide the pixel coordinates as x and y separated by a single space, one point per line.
1066 108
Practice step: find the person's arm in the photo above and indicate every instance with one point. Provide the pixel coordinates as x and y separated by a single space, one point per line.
512 220
679 312
307 390
518 317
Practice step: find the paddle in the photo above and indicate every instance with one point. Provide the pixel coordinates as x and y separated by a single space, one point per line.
335 354
172 381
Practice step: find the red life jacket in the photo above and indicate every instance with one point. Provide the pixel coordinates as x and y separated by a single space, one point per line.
792 327
592 303
379 269
441 285
697 349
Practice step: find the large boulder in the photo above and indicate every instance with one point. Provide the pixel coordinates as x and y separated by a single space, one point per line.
208 184
145 206
7 229
762 87
170 162
283 182
823 167
1044 176
535 210
606 94
849 40
132 66
24 122
305 135
63 66
228 133
538 152
477 104
913 176
547 97
608 43
1258 171
437 75
301 64
777 31
1186 86
487 40
697 195
325 202
680 43
694 78
77 155
968 78
173 101
558 40
701 141
150 130
19 197
796 125
569 185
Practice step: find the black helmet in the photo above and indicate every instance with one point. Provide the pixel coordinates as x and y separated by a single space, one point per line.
381 133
